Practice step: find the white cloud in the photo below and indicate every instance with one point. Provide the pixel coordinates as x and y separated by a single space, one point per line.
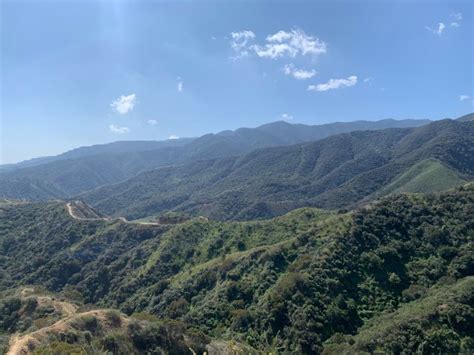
152 122
441 28
464 97
334 84
173 137
240 39
454 21
456 16
299 74
292 43
179 85
286 117
280 44
439 31
119 130
124 104
368 79
239 42
288 69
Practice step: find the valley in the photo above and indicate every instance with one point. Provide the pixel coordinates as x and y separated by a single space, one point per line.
358 242
292 282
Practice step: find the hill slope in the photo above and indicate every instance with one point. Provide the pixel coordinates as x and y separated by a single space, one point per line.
303 282
427 176
41 322
339 171
467 118
443 308
86 168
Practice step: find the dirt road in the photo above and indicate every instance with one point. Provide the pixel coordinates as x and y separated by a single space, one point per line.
70 210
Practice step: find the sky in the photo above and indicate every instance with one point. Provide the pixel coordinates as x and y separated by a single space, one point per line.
76 73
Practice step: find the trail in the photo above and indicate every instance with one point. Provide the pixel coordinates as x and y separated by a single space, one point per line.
122 219
18 344
22 344
71 213
17 347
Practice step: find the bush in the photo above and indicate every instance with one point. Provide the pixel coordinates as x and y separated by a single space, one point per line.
114 317
90 323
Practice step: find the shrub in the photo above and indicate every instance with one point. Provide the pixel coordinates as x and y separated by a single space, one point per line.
90 323
114 317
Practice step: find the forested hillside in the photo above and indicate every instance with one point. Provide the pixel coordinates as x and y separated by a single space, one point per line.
340 171
86 168
310 281
344 245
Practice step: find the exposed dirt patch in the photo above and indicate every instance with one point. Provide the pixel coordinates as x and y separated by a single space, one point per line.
64 308
26 344
82 212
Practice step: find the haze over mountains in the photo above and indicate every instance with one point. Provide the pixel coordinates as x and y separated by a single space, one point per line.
338 171
86 168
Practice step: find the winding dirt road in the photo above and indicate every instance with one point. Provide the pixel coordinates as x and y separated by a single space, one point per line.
73 215
123 219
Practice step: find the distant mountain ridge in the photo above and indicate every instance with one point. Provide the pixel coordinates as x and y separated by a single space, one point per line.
86 168
86 151
339 171
467 118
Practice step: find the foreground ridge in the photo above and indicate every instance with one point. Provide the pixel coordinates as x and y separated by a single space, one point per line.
310 281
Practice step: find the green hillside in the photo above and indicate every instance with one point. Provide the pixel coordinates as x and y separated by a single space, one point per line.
303 282
337 172
444 316
427 176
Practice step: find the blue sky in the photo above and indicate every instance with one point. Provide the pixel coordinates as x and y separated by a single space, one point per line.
85 72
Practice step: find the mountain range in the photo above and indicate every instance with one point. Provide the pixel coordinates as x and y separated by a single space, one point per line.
86 168
340 171
343 238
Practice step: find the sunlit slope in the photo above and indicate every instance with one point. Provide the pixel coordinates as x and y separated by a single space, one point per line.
427 176
441 321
